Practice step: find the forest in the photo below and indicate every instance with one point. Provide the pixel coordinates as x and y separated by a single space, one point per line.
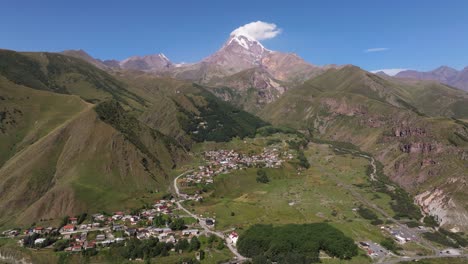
295 243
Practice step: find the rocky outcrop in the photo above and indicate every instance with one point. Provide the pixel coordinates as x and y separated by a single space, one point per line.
341 107
444 208
427 162
409 131
421 148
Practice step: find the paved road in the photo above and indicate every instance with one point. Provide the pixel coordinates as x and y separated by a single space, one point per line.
85 230
405 259
202 223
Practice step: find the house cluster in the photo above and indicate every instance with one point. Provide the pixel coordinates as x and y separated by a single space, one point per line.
119 233
101 230
225 161
40 230
79 242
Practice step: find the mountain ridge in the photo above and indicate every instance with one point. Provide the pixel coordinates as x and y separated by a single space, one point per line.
443 74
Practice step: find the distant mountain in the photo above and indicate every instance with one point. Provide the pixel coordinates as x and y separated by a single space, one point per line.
151 63
154 63
242 65
443 74
242 52
81 54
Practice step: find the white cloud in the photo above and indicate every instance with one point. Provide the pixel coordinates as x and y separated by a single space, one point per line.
258 30
391 72
375 50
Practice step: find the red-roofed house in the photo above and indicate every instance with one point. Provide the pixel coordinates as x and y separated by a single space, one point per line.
234 237
39 230
69 228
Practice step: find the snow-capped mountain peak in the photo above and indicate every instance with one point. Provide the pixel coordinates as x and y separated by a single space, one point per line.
245 41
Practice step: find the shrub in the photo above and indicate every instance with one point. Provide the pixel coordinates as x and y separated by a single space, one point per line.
262 176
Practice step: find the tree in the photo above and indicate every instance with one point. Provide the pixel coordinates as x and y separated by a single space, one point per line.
177 224
389 244
183 244
260 259
164 252
82 217
262 176
64 221
431 221
60 245
194 244
159 221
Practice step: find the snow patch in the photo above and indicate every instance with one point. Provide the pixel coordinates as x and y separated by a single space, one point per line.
162 56
390 72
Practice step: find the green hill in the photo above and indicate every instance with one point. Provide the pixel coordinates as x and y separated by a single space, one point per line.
190 112
63 158
78 139
63 74
422 149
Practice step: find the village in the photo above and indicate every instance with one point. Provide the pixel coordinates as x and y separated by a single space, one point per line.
102 230
224 161
163 221
168 222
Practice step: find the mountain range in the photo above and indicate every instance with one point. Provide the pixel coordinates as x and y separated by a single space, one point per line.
443 74
77 128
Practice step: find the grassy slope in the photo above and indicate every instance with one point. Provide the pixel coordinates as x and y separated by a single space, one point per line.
177 108
314 193
318 193
85 165
354 106
30 114
62 157
76 157
62 74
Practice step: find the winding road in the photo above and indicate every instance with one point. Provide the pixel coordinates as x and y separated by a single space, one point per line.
239 257
423 242
358 196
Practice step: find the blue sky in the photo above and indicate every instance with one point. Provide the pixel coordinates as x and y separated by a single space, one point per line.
402 34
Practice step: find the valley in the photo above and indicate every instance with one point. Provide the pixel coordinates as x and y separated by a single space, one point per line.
249 155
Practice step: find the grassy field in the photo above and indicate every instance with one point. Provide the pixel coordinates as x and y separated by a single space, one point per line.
293 196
